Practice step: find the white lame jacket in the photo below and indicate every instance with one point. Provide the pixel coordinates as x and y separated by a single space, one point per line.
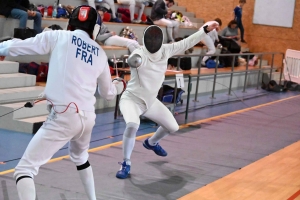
77 65
146 81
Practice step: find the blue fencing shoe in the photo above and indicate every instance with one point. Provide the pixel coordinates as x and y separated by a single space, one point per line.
124 172
156 148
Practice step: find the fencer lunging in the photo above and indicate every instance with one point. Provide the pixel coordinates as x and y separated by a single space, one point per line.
77 66
148 66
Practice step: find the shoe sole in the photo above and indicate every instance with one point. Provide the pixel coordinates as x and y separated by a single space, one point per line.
128 176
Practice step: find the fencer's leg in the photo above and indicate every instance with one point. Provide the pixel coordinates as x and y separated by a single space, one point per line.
87 178
129 141
167 124
131 108
26 188
78 150
158 135
128 144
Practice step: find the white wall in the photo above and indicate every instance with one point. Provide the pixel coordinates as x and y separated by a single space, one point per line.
274 12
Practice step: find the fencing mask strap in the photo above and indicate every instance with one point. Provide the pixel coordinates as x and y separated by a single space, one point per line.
153 38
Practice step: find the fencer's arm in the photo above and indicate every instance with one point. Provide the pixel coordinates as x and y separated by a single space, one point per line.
106 88
185 44
134 60
41 44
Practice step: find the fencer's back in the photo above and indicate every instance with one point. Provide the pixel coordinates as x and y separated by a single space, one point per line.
76 61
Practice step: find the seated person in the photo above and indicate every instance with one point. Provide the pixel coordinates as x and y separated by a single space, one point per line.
110 38
132 4
158 13
210 39
111 4
231 31
19 9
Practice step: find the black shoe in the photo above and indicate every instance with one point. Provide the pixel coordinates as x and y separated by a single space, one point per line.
243 41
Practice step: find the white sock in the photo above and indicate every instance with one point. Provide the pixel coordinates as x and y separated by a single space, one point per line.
158 135
26 188
129 140
87 178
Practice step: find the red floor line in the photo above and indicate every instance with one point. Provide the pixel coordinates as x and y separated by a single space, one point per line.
294 196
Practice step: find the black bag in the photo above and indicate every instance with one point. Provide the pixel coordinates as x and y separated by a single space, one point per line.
226 61
185 62
24 33
230 44
166 94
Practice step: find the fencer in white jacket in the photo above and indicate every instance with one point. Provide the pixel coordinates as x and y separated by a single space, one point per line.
77 66
148 67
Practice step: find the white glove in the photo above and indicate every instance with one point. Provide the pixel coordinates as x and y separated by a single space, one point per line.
120 85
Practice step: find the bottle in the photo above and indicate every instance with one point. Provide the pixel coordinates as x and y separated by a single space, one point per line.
45 11
54 12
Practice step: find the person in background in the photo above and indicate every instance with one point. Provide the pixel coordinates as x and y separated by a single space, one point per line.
111 4
19 9
158 13
111 39
210 39
238 10
231 31
132 4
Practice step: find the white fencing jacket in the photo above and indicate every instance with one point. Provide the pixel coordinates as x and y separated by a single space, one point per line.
146 83
77 65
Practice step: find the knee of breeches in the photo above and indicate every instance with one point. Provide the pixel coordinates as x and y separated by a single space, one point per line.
131 129
83 166
19 174
21 177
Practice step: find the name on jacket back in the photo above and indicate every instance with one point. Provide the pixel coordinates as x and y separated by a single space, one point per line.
84 51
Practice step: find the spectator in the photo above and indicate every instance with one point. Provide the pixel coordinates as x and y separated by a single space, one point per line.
111 4
19 9
231 31
158 13
110 38
238 10
132 4
210 39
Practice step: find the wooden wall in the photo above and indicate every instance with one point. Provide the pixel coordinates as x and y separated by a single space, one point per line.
260 38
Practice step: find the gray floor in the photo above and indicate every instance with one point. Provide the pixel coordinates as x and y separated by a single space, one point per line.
196 157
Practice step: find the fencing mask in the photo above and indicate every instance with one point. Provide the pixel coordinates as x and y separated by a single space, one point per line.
153 38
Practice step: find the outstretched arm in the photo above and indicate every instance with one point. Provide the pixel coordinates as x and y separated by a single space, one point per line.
187 43
41 44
